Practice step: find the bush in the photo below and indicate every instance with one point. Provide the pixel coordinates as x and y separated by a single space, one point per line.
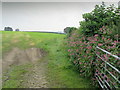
100 28
100 16
82 49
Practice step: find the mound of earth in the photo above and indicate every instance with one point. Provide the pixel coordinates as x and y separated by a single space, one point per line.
17 57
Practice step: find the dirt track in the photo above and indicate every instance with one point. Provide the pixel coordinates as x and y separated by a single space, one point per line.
36 78
17 57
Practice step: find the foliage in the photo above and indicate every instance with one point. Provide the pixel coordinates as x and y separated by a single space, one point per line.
100 28
69 30
17 30
82 49
100 16
8 29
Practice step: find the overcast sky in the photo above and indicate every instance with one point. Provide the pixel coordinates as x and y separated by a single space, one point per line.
46 16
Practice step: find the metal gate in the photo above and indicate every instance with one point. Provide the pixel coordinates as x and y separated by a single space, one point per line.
107 74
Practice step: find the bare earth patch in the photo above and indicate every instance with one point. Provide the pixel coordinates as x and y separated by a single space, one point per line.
36 78
17 57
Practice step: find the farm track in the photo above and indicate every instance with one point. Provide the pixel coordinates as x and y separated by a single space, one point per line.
35 76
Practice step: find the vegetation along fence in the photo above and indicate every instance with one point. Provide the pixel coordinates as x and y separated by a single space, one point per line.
107 71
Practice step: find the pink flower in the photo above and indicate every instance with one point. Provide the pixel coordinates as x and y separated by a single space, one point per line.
87 52
69 50
80 62
113 46
96 35
100 44
115 41
103 27
105 56
98 53
80 41
89 47
100 29
103 38
85 56
95 39
77 50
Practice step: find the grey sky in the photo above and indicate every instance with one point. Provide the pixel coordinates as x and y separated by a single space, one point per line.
0 15
59 0
45 16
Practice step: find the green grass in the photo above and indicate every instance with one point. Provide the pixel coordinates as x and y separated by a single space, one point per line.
61 73
16 74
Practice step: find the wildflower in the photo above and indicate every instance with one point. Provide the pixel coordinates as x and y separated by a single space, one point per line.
98 52
95 39
77 50
80 62
96 35
105 56
103 37
113 46
103 26
100 29
69 50
100 44
89 47
115 41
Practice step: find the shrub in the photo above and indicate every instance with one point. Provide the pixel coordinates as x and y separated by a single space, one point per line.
100 28
100 16
82 49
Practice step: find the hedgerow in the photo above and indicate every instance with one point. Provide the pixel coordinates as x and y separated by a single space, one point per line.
83 41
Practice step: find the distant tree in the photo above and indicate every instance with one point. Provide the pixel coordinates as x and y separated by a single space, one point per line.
8 29
68 30
17 30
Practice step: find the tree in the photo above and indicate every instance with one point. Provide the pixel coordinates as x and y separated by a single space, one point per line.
8 29
100 16
68 30
17 30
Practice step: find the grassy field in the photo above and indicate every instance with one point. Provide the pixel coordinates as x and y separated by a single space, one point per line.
60 74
